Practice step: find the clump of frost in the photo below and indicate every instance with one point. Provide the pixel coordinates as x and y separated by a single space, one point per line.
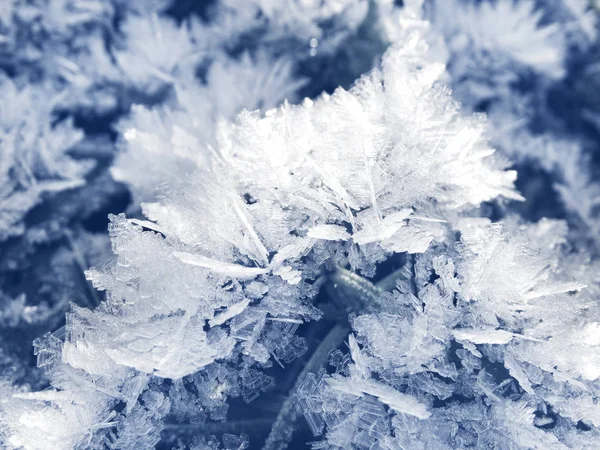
219 275
186 126
520 62
486 45
422 362
34 158
85 63
289 41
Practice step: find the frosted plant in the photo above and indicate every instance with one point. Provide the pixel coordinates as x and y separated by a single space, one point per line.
30 28
166 57
566 160
153 57
44 164
76 58
154 50
328 22
34 158
63 42
509 52
41 260
219 276
420 364
580 19
578 190
182 134
486 46
520 84
50 171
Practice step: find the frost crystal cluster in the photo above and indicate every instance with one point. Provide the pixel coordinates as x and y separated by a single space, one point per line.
75 72
352 267
541 98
